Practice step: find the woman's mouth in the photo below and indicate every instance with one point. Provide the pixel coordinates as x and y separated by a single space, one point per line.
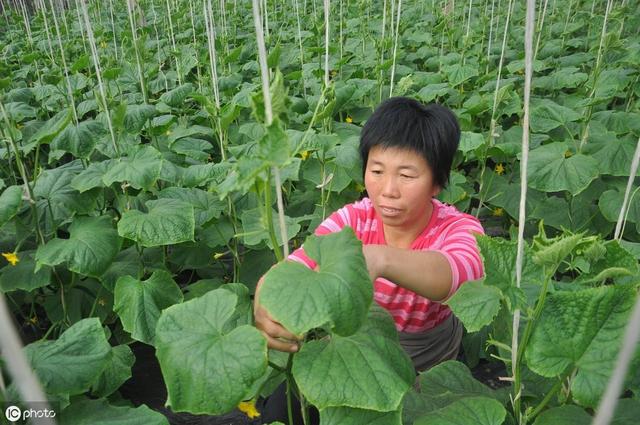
389 211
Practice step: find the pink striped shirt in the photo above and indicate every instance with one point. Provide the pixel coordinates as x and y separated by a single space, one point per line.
449 232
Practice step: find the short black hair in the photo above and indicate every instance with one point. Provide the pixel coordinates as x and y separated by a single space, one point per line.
430 130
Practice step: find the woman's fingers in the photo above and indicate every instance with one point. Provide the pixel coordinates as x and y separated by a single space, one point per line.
277 336
280 345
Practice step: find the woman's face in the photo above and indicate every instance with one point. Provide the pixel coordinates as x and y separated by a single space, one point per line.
400 184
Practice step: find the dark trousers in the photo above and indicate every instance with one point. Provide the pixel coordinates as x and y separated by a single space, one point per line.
275 409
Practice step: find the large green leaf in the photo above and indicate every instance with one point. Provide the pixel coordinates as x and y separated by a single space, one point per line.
117 371
550 170
475 410
451 381
256 230
458 74
19 111
338 294
92 245
583 330
475 304
169 221
547 115
55 196
52 127
366 370
79 140
569 414
614 155
139 303
10 203
91 412
610 203
73 362
136 117
499 259
22 275
176 96
206 205
140 169
351 416
207 369
91 177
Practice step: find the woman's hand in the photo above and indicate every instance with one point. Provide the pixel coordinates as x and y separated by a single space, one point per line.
278 338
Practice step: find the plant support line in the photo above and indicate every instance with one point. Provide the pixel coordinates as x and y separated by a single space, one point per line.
268 112
17 365
623 210
528 49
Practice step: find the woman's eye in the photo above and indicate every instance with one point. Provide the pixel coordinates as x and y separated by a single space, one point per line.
406 176
376 171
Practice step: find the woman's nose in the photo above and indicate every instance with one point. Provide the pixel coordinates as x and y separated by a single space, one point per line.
390 187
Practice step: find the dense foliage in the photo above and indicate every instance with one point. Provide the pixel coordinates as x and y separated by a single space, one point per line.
138 191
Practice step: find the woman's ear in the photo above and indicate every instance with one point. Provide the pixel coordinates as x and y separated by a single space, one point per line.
436 191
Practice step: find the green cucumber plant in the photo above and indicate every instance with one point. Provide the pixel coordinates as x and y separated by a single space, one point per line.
332 307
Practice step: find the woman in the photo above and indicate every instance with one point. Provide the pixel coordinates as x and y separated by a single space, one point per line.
418 250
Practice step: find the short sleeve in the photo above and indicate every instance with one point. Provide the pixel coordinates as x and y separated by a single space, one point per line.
460 248
334 223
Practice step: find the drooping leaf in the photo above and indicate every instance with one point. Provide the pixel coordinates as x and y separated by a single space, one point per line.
92 245
137 116
177 96
141 168
366 370
72 363
79 140
54 195
10 203
207 369
23 275
52 127
584 330
91 177
117 371
338 294
139 303
475 304
169 221
90 412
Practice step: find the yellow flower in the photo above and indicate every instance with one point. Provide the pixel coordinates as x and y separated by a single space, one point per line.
333 72
304 155
498 212
499 169
34 320
249 408
568 154
168 133
348 119
218 255
103 45
11 257
102 302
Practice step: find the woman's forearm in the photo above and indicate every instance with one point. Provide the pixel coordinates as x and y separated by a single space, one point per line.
427 273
